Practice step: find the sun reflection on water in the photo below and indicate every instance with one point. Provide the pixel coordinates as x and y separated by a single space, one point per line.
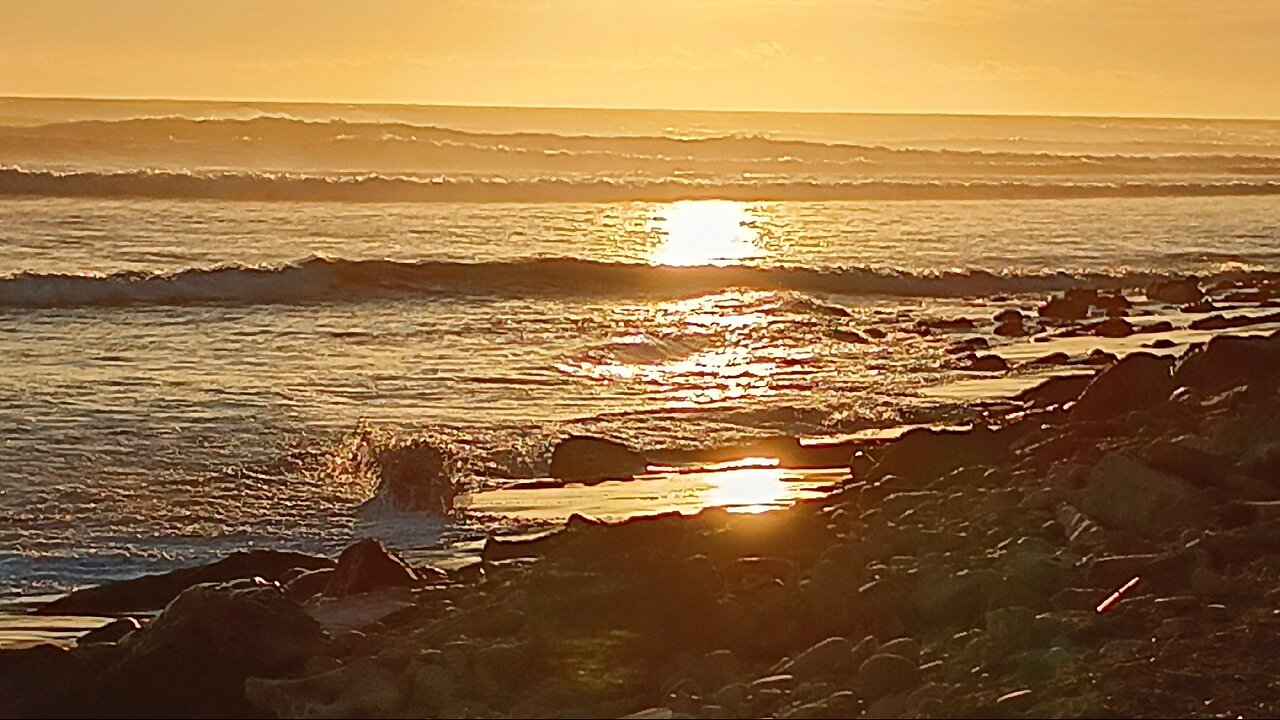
705 232
749 489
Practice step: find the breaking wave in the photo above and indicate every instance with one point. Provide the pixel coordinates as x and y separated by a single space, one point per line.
318 280
374 187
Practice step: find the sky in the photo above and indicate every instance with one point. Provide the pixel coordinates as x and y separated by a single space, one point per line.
1199 58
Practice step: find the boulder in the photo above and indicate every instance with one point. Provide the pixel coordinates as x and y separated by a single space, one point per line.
923 455
414 478
1176 292
1056 358
152 592
1136 382
1225 362
367 565
588 458
194 658
1124 494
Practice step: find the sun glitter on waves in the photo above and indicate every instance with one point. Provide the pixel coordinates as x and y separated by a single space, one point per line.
705 232
748 489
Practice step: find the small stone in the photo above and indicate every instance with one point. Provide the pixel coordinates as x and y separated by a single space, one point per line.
885 674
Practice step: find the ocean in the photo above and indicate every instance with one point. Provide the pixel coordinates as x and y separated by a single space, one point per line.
212 314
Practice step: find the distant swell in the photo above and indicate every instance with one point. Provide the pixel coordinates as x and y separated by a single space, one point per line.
382 188
322 280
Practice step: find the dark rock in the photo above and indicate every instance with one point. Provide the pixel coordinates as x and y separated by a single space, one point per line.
1098 356
1176 292
852 336
194 658
309 583
1124 494
825 658
1160 344
414 478
1113 328
367 565
923 454
1225 362
1135 383
113 631
50 681
589 458
883 674
946 325
1155 327
1008 316
1057 358
1012 328
1113 305
1055 390
1071 305
988 363
152 592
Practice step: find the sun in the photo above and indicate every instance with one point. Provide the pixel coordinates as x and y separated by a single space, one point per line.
705 232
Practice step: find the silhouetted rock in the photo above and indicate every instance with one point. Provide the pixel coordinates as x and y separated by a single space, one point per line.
923 455
1113 328
1071 305
1176 292
589 458
1225 362
113 631
988 363
367 565
415 478
152 592
1136 382
884 674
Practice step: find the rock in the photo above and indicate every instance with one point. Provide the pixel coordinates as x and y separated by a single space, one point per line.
1057 358
1160 344
414 478
1071 305
906 647
194 658
1138 382
1113 328
1010 329
1155 327
152 592
1225 362
113 631
588 458
50 681
946 325
824 658
1176 292
852 336
1098 356
309 583
1007 316
988 363
367 565
1124 494
923 455
883 675
1055 390
360 688
1114 304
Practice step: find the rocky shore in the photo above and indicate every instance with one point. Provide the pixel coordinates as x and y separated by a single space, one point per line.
1107 548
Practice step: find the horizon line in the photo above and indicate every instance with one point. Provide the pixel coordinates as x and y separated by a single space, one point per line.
735 111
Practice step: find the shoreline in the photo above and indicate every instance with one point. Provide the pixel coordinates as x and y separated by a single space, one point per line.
1074 549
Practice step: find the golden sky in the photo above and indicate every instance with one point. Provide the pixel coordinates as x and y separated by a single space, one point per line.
1122 57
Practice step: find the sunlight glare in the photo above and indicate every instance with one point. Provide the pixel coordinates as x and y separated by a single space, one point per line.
705 232
749 490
